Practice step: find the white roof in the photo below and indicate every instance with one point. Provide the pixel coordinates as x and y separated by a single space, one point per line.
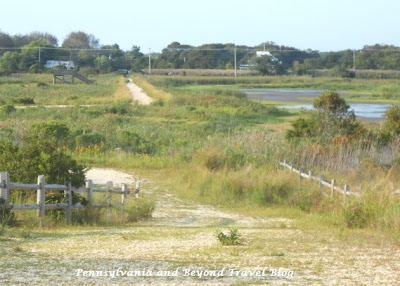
53 63
263 53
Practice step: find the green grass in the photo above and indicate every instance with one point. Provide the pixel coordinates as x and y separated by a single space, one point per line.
43 92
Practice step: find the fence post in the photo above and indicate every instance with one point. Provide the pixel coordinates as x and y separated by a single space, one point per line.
124 196
5 192
41 197
89 186
137 189
346 190
284 164
300 172
333 187
321 179
69 207
310 173
109 187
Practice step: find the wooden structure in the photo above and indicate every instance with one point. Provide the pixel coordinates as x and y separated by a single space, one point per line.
41 187
60 76
333 187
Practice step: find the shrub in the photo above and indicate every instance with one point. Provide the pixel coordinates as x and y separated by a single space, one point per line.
233 238
392 123
85 140
40 156
8 109
139 209
134 143
24 100
7 216
118 108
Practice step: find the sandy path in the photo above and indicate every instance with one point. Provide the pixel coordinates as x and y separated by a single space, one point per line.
138 94
182 235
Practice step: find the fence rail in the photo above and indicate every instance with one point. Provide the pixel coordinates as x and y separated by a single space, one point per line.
323 183
41 187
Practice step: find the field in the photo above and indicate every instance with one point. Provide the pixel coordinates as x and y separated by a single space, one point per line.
208 157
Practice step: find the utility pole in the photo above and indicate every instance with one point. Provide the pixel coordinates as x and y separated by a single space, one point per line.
354 60
39 54
235 62
149 61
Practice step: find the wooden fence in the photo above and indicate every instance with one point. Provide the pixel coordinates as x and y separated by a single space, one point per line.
41 187
323 183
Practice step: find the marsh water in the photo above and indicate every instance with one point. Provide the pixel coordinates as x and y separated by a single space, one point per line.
305 98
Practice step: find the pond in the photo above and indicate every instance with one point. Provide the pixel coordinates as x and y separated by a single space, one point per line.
366 110
305 97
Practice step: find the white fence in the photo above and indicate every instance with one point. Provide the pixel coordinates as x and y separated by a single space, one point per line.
323 183
41 187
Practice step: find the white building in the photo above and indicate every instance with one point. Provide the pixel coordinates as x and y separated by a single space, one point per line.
266 53
51 64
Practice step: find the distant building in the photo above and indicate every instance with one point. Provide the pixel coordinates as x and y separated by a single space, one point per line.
52 64
266 53
244 67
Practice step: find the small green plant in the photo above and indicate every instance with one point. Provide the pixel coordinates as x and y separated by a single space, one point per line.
7 216
17 249
140 209
233 238
8 109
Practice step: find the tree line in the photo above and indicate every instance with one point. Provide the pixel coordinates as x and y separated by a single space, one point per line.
29 53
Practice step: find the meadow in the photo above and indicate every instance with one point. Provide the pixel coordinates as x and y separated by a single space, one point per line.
209 159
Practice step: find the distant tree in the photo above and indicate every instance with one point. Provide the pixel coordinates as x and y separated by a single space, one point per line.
9 62
80 40
49 38
30 55
137 59
5 42
264 65
20 40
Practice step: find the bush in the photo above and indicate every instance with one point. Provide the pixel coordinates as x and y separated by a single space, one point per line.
233 238
24 100
139 209
119 108
86 140
40 156
8 109
134 143
7 216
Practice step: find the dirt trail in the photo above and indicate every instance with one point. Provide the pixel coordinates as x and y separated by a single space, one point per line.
182 235
138 94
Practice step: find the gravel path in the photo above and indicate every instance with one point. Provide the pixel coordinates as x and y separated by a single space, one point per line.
181 237
138 94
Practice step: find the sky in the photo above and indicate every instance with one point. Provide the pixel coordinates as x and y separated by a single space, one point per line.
324 25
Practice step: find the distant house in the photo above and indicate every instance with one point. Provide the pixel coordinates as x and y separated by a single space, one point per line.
266 53
51 64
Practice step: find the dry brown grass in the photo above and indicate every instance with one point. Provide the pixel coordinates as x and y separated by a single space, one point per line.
151 90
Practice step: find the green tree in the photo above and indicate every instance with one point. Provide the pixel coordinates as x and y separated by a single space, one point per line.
5 42
30 54
331 117
40 157
9 62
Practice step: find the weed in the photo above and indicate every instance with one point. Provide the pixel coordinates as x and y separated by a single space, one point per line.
233 238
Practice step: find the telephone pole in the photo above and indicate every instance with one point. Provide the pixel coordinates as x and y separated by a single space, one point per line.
235 62
354 60
149 61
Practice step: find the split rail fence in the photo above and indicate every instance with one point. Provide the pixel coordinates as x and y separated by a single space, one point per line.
41 187
323 183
